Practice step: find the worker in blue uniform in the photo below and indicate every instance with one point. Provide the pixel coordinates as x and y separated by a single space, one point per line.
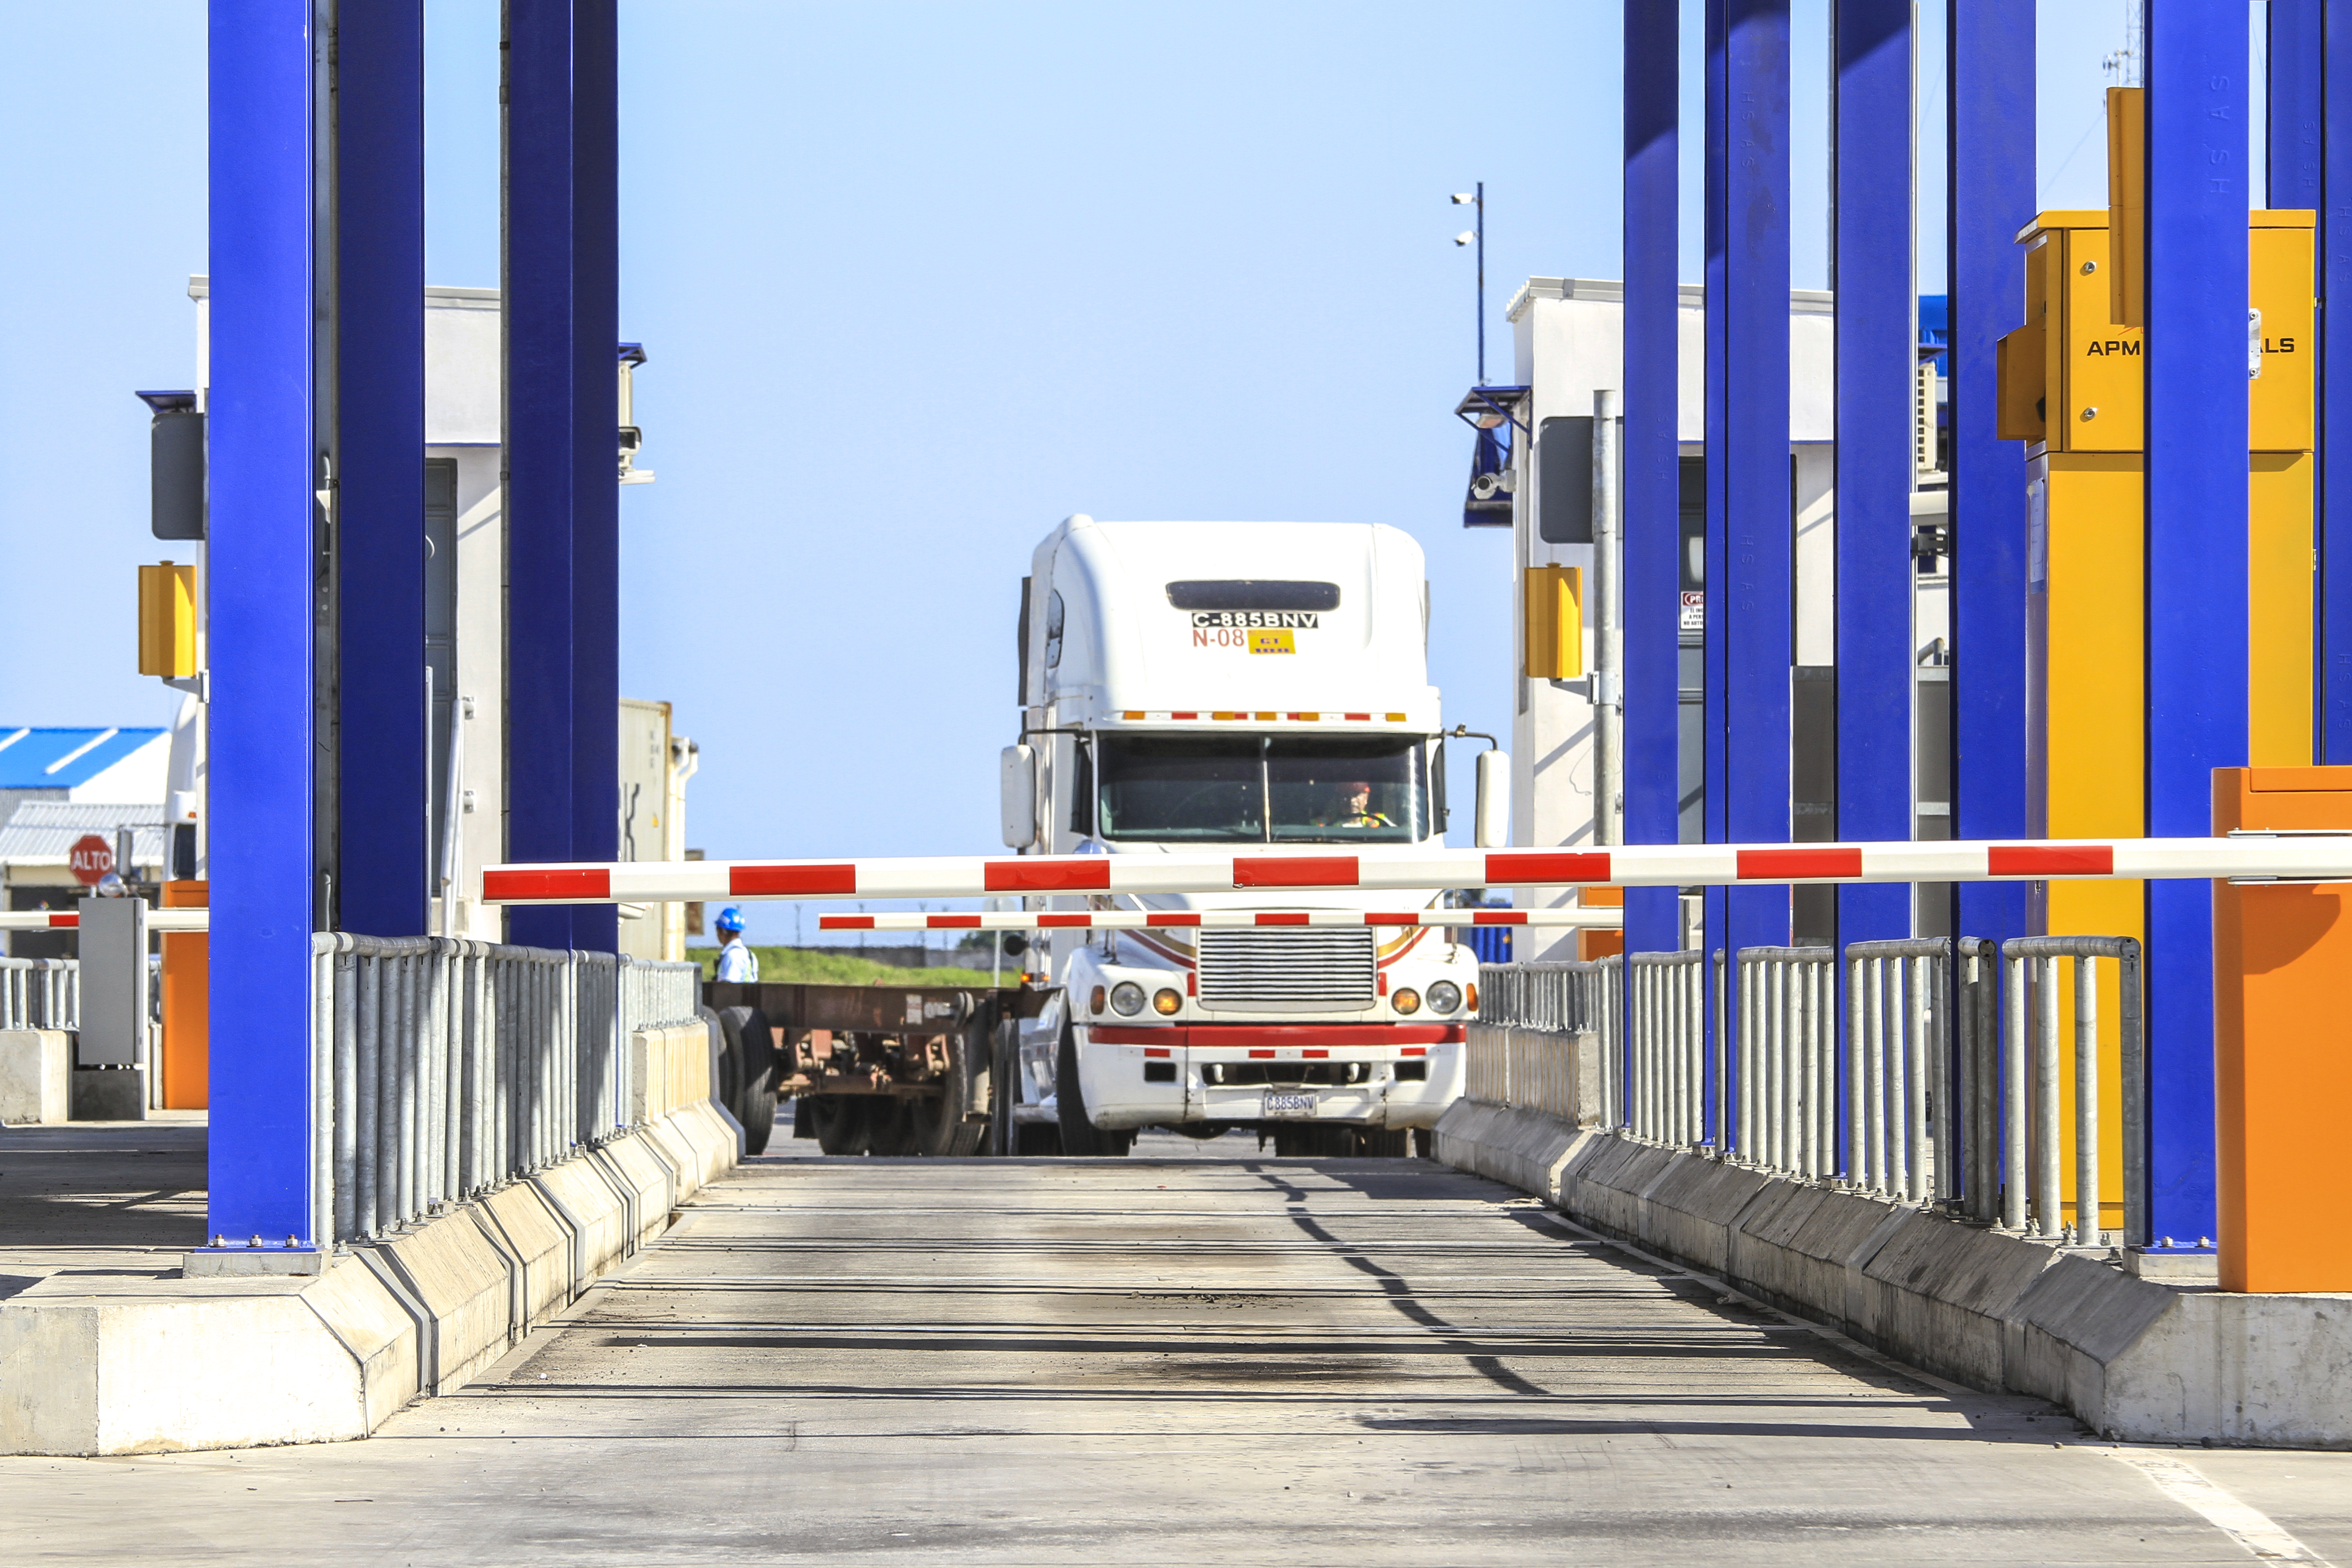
735 961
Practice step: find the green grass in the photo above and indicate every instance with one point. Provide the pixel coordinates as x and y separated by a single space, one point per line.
801 965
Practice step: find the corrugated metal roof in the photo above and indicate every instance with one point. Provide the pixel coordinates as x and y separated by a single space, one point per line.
40 833
46 757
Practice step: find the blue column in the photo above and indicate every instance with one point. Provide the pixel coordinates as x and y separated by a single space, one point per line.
1715 650
2335 413
1651 458
1874 284
382 860
265 538
561 295
2197 515
1988 62
1749 514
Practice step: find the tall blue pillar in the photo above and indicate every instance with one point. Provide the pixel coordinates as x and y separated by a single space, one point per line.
266 533
2198 194
562 327
2334 690
1749 524
1652 456
1990 102
1873 279
382 860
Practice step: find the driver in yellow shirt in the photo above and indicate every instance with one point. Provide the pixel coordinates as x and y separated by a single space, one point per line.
1354 809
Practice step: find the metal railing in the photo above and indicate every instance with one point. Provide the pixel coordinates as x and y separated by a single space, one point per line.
1786 1110
1896 1057
2031 1095
443 1067
1946 1088
1531 1059
40 993
1667 1055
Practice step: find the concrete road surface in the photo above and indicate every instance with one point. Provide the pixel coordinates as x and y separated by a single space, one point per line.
1171 1361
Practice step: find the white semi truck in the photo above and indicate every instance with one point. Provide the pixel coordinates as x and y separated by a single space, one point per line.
1262 688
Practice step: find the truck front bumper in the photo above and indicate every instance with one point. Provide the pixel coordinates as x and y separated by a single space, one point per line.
1367 1075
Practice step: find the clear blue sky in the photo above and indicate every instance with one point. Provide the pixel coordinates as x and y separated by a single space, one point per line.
917 281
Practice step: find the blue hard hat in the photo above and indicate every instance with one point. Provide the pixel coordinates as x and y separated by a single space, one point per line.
730 919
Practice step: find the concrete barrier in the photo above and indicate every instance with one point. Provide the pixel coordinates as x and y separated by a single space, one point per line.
36 1077
2133 1359
94 1364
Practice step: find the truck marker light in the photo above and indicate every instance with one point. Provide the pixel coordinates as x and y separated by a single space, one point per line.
1396 718
1315 1053
1166 1002
1413 1051
1132 712
1191 982
1294 871
1357 718
1307 717
1095 1000
1155 1051
1229 715
1267 718
1474 996
1256 1054
1380 983
1183 715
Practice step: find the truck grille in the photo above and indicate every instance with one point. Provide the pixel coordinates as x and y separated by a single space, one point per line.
1286 970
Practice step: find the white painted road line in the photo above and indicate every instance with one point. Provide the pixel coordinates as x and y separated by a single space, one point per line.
2249 1526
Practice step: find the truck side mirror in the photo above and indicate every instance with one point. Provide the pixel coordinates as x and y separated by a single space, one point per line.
1493 810
1016 779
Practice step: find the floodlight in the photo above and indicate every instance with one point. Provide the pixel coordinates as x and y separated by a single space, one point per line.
1466 236
1463 198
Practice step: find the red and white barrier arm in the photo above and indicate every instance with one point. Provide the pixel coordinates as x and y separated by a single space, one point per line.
1153 919
164 920
2310 858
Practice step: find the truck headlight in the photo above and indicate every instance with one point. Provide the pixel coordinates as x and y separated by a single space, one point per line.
1444 997
1127 998
1405 999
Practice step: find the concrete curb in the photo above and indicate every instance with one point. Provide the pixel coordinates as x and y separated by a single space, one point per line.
133 1363
2134 1360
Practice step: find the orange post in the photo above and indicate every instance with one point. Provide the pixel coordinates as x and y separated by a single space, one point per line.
2283 1044
187 1004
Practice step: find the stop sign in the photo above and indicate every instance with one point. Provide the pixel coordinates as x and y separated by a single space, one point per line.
91 858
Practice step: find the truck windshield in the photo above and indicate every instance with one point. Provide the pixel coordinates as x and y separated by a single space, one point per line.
1263 788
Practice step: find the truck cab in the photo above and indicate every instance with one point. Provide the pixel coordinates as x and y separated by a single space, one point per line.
1251 688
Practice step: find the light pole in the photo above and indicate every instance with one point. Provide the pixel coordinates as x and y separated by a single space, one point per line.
1477 198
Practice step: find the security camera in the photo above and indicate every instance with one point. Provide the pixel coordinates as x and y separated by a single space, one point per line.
1463 198
1466 236
1486 486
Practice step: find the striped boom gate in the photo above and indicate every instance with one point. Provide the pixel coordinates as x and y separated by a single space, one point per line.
70 920
2303 858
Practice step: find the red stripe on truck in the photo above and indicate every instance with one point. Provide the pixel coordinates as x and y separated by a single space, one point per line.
759 880
1505 867
1295 871
547 882
1775 866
